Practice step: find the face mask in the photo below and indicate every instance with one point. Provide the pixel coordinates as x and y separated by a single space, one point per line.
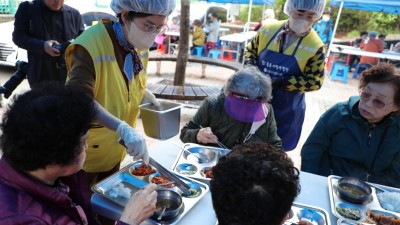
326 18
140 39
244 110
299 26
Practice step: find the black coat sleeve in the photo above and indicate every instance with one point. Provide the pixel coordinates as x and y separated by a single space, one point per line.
21 34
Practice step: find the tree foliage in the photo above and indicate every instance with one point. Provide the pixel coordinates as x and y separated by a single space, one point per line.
350 21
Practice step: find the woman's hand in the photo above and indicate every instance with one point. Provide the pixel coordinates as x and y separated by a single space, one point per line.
141 205
205 136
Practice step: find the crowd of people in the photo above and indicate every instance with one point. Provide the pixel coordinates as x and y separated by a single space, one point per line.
64 135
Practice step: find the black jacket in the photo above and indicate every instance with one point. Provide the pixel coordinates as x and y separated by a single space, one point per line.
28 34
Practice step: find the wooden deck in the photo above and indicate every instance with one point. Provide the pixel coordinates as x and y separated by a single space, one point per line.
187 92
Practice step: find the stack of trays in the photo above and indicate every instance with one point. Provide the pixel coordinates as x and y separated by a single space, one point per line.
128 184
351 213
196 161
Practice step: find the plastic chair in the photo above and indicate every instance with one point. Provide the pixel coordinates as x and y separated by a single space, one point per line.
336 63
339 72
228 56
214 53
209 46
161 49
198 51
330 60
359 69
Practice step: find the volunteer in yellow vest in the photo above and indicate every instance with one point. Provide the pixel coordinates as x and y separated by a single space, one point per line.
110 60
292 54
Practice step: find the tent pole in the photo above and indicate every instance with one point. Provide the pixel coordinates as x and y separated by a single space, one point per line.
334 29
250 6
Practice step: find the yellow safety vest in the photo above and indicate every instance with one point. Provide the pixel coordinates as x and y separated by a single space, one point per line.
110 91
307 48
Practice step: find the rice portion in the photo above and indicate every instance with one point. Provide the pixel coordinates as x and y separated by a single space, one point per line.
390 201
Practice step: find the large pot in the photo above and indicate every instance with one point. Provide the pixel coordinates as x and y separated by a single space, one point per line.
173 203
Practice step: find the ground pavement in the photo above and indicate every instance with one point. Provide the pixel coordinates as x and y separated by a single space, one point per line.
317 102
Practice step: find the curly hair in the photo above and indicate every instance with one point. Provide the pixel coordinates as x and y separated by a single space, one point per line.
256 184
382 73
44 126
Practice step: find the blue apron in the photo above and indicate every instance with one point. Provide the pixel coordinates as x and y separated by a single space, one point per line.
289 106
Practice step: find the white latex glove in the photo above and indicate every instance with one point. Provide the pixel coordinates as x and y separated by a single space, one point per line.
150 98
135 144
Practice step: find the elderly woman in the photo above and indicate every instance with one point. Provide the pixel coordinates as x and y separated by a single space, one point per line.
43 144
240 114
360 137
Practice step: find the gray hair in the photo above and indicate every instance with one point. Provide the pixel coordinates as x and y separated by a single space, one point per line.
250 82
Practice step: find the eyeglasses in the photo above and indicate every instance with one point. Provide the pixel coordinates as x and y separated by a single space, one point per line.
365 96
155 29
237 95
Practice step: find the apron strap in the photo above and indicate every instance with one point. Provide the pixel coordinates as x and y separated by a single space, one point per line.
297 46
273 37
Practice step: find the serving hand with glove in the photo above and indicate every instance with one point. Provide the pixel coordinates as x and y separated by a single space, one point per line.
135 144
150 98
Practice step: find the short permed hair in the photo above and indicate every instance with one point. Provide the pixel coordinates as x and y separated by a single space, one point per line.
250 82
254 184
382 73
44 126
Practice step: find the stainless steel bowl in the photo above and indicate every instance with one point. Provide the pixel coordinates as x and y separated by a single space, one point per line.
135 166
186 169
201 155
173 203
354 190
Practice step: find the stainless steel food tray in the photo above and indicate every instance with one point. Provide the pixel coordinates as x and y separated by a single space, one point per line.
134 184
312 214
373 204
188 165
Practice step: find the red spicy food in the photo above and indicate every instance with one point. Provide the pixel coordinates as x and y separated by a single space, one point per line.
143 170
162 180
208 173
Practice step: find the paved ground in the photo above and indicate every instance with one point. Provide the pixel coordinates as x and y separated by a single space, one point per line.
317 102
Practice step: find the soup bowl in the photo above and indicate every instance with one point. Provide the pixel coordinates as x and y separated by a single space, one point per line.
353 190
172 202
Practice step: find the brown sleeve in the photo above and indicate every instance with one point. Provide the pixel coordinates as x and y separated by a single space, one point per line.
82 71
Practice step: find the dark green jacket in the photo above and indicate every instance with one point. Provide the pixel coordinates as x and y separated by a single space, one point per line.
228 130
344 144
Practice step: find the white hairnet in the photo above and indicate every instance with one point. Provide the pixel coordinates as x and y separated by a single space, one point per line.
316 6
155 7
269 13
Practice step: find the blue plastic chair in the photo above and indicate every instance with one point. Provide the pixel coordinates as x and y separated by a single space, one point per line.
214 53
198 51
339 72
359 69
336 63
